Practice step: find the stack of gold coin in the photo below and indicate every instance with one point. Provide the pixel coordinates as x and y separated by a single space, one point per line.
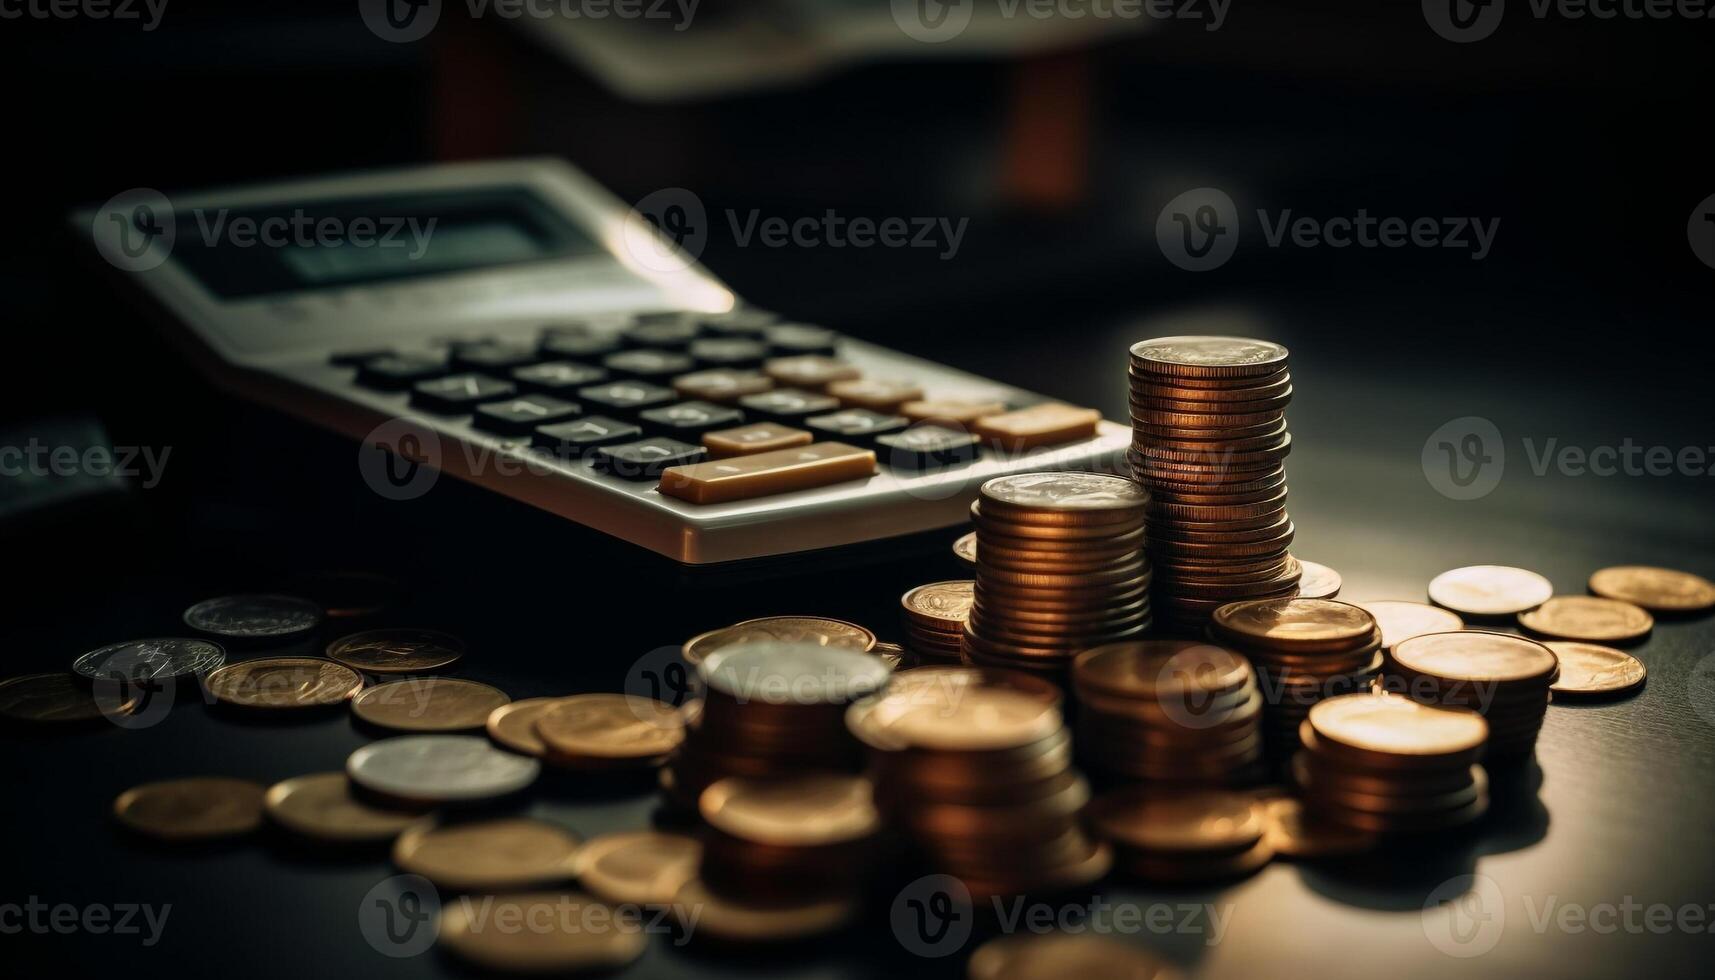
974 767
1385 764
788 839
1504 677
934 619
1208 440
1304 651
1185 835
1172 711
1060 569
771 709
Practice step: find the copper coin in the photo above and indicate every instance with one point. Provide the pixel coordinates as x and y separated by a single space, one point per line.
638 867
1477 655
1317 581
977 719
321 806
284 683
1387 725
801 811
58 698
195 809
612 728
1178 820
722 918
1057 956
1317 623
940 605
1296 832
428 704
1489 590
1590 618
487 855
514 725
965 549
1661 590
397 651
470 929
816 630
1401 620
1588 670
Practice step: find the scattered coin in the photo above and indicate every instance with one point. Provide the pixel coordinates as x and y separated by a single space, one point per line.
254 617
1296 832
1400 619
1317 581
1489 590
284 682
786 629
397 651
640 867
166 659
514 725
607 730
1057 956
1660 590
195 809
1591 671
487 855
428 704
433 769
965 549
1583 617
321 806
709 915
55 699
469 930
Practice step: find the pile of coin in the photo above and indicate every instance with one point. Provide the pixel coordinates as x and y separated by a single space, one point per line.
788 840
817 630
1060 568
1208 440
1385 764
1504 677
1174 711
1183 836
934 617
974 768
770 709
1304 651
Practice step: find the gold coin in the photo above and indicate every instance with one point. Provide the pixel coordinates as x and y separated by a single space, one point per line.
195 809
1155 669
514 725
1317 581
1489 590
57 698
1294 832
1661 590
284 682
789 629
940 605
1476 655
397 651
802 811
540 933
1295 622
638 867
965 548
710 915
610 728
321 806
428 704
487 855
1387 724
1057 956
1583 617
1178 820
1594 671
978 719
1401 620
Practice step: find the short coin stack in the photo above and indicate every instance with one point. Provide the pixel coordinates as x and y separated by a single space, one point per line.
1184 835
1060 569
974 768
1208 440
1384 764
1304 651
1174 711
771 709
1505 677
787 840
934 617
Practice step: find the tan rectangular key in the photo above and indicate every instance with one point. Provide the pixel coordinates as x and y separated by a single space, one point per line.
721 385
811 372
763 474
760 437
1048 424
963 414
874 394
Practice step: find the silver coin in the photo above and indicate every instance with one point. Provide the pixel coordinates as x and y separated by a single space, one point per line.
254 616
1066 491
159 659
440 768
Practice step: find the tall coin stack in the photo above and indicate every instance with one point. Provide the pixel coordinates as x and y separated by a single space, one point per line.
1060 569
1304 651
1172 711
1504 677
771 709
974 768
934 618
1208 440
1385 764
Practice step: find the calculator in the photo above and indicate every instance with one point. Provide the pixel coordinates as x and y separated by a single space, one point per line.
533 334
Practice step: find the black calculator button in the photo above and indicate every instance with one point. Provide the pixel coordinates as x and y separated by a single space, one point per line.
646 458
801 338
738 323
668 334
578 345
925 447
626 398
396 372
353 358
459 393
788 406
518 416
858 425
648 363
729 352
662 316
689 420
558 377
492 356
574 438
